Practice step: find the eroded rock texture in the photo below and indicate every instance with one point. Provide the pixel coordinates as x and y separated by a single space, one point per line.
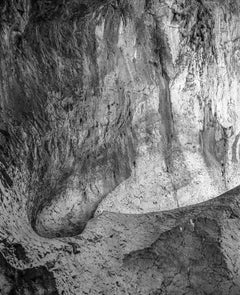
129 107
23 282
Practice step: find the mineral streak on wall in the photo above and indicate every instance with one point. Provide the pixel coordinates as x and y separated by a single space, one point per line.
122 106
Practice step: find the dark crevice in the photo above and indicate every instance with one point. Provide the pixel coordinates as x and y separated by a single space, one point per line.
28 281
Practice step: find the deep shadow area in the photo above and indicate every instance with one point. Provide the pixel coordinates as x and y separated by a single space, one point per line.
32 281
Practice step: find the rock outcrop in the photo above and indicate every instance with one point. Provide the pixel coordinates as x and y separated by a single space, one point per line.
109 111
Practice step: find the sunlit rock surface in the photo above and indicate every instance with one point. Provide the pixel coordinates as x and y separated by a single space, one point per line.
129 107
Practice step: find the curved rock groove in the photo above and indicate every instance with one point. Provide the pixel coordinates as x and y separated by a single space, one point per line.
67 212
66 215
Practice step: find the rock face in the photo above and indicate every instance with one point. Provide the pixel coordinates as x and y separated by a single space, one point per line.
23 282
112 110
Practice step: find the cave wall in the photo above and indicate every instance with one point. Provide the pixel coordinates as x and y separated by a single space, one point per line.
122 106
199 120
131 105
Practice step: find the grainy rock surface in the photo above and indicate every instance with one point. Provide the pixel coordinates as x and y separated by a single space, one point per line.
24 282
110 111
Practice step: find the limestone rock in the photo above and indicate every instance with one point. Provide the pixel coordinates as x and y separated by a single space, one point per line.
110 111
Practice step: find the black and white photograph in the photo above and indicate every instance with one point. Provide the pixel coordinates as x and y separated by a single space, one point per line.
119 147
